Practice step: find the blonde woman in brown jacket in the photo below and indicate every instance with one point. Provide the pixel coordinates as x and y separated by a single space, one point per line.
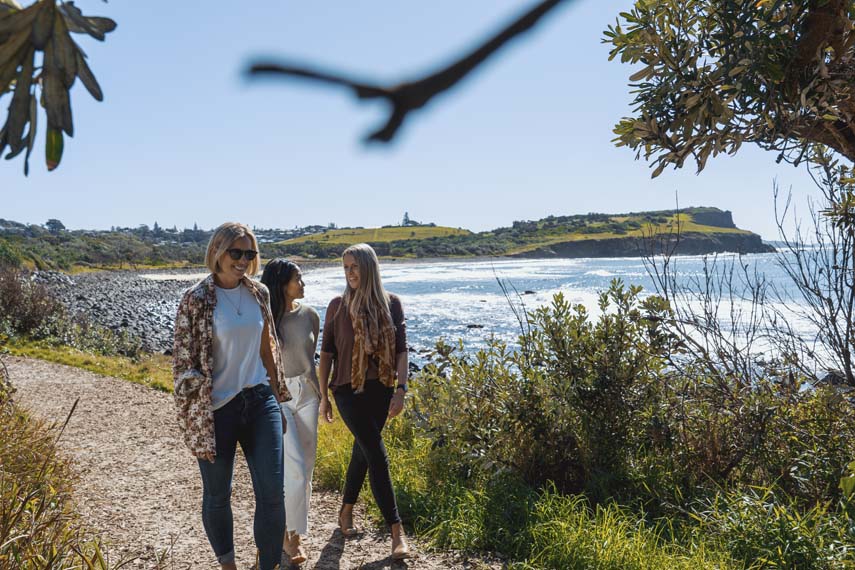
227 385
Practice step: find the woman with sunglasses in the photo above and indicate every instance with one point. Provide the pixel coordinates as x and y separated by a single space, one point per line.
227 384
365 337
297 327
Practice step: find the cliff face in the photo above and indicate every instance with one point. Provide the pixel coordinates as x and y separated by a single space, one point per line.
714 217
688 244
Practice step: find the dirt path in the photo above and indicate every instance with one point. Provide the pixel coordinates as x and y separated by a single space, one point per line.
140 488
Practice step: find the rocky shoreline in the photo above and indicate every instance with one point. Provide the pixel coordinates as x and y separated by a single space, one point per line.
124 301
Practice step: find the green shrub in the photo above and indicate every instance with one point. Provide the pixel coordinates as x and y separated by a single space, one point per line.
571 405
25 305
38 525
29 310
766 529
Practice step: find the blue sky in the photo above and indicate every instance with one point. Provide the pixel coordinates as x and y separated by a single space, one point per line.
183 137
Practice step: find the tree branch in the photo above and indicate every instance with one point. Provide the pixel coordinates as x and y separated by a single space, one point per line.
412 95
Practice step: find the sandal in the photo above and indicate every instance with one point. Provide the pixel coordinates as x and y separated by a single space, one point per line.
346 526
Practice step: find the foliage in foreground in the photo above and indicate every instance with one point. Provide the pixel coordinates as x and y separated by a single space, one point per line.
38 525
583 448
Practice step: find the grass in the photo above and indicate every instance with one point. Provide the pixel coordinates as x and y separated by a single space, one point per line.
675 222
77 269
153 370
39 527
534 529
377 235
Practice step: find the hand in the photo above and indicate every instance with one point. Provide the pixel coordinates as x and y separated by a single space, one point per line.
206 456
325 409
396 406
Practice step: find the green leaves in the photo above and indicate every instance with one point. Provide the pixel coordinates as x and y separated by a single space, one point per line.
43 27
718 74
847 483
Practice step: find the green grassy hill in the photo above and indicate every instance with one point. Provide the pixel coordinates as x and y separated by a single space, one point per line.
377 235
702 230
707 229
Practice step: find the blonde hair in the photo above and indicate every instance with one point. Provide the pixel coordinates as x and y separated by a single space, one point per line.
370 298
223 238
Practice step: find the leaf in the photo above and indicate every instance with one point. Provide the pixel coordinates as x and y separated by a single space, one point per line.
88 79
43 26
56 101
642 74
64 53
53 148
78 23
20 106
18 20
9 70
31 136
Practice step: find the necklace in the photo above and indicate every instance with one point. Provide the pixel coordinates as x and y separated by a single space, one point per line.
232 303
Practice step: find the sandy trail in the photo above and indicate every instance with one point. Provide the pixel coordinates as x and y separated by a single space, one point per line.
139 487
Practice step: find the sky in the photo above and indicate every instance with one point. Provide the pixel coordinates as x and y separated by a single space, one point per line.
183 137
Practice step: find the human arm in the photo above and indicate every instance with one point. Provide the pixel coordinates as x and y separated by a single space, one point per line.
324 368
402 366
267 347
191 390
325 365
402 360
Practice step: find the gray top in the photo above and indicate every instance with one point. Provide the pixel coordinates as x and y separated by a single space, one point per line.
298 331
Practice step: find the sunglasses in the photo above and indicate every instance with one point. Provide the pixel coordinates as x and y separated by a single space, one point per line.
236 253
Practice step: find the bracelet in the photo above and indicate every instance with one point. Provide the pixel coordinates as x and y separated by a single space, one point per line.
402 387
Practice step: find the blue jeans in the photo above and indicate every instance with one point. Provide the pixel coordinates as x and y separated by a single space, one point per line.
252 418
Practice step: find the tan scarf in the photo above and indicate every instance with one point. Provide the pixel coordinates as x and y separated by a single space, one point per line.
372 340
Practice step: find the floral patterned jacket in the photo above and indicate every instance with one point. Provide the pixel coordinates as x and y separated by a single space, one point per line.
193 361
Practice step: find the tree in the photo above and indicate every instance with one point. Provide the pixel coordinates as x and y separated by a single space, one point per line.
406 220
46 27
720 73
54 226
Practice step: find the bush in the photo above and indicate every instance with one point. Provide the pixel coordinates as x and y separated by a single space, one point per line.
572 405
25 305
29 310
38 526
768 531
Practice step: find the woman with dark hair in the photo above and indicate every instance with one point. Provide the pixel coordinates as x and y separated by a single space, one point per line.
227 382
297 327
365 337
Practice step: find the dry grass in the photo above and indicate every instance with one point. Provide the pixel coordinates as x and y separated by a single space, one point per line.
377 235
153 370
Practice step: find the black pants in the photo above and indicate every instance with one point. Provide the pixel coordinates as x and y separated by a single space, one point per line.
365 415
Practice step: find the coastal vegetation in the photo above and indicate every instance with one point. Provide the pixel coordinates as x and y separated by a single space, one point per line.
613 234
36 247
587 443
38 524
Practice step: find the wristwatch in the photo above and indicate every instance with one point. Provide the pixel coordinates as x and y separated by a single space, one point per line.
402 387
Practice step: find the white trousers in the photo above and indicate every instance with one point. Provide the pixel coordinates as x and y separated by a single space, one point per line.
300 445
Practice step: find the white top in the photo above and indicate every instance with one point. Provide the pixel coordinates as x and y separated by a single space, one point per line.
238 324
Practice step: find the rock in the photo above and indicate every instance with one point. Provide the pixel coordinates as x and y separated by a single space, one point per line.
528 292
474 326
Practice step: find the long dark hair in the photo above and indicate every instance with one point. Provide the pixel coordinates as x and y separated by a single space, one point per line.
277 274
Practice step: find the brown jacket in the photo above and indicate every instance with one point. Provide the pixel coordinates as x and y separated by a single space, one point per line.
193 361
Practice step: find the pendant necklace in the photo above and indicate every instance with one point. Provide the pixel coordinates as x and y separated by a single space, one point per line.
232 303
